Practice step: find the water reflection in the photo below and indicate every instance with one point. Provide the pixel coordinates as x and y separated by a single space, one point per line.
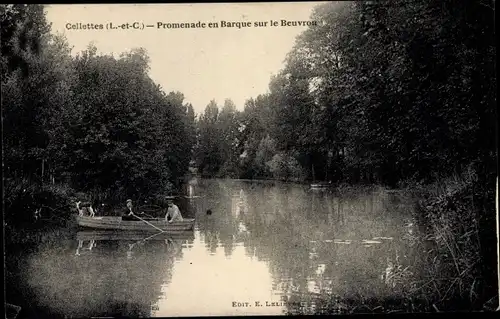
279 245
109 275
80 248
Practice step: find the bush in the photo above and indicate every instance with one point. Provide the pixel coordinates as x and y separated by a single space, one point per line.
27 202
286 168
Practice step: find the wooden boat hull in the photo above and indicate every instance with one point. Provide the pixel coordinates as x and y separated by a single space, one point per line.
109 235
116 223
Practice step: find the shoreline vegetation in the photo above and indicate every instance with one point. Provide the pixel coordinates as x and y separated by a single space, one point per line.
376 95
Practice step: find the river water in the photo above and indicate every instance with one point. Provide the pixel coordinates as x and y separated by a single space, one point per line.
266 248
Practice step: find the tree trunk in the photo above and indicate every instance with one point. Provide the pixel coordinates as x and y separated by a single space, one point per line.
43 168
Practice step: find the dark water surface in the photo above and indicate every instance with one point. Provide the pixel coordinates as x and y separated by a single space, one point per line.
263 244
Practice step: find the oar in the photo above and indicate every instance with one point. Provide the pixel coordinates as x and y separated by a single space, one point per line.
150 237
144 214
143 240
148 223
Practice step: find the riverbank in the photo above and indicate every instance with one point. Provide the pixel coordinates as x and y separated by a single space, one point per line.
29 204
458 219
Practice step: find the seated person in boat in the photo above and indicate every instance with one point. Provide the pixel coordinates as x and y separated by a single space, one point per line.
128 213
173 213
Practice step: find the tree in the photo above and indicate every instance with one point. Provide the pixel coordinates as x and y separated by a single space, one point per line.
228 125
209 155
36 62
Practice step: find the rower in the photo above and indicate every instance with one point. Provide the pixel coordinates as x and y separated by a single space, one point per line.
128 213
173 213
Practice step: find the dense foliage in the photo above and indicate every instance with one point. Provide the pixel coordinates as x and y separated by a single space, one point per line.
385 92
96 123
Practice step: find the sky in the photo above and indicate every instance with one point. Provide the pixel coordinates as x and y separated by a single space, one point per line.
202 63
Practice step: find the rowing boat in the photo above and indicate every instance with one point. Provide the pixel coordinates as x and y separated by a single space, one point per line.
116 222
108 235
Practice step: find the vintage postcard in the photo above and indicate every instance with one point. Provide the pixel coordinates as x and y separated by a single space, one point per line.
236 159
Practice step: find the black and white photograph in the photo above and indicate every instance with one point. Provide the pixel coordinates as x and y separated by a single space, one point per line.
249 158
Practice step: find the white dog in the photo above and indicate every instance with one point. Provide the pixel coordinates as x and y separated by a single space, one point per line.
81 212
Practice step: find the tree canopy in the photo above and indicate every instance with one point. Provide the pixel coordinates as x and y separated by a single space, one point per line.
379 92
95 121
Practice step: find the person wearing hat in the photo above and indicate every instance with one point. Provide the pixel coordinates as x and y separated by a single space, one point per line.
173 213
128 213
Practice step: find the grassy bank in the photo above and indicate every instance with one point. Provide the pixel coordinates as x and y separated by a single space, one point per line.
458 231
455 217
